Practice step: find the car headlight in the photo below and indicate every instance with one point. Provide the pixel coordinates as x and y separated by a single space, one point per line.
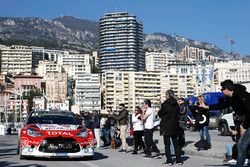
83 133
34 133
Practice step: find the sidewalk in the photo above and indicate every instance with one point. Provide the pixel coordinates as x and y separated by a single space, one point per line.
218 144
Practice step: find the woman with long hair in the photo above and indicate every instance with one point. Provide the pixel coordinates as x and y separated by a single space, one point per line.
138 129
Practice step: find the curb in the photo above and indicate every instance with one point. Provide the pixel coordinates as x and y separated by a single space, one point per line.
203 153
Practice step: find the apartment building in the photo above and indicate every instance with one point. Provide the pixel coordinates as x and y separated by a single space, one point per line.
26 83
16 59
74 63
237 70
45 66
132 88
56 86
158 61
121 43
88 92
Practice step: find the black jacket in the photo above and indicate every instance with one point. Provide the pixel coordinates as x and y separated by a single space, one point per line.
122 117
198 114
240 102
169 114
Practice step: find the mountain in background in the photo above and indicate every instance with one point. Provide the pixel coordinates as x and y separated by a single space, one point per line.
72 33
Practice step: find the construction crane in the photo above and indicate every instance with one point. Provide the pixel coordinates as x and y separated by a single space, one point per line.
232 42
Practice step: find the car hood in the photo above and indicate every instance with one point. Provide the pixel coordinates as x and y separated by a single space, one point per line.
57 127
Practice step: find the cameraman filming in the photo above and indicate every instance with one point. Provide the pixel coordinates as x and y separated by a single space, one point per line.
239 99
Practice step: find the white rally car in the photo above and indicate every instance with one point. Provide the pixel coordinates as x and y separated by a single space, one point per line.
57 134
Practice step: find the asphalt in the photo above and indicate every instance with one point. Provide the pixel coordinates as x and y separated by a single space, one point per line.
217 149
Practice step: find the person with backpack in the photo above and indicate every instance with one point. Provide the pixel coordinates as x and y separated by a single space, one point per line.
202 124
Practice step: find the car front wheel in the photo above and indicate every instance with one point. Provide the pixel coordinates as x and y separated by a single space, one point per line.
224 130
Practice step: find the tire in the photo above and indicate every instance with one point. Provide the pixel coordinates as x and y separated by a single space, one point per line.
18 148
88 158
224 130
22 157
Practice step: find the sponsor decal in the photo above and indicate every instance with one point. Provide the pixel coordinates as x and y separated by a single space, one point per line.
56 127
24 142
56 133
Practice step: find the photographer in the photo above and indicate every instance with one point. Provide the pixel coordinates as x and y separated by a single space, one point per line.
202 120
239 99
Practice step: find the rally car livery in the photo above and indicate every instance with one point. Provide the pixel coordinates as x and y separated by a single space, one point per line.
57 134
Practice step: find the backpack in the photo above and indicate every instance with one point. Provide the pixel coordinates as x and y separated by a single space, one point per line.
202 145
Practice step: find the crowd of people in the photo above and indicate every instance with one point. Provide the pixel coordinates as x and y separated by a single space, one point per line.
173 112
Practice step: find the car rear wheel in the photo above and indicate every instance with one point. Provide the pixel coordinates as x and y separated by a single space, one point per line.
224 130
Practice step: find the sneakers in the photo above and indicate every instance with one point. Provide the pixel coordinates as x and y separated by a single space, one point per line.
179 163
134 152
147 157
168 163
232 161
122 150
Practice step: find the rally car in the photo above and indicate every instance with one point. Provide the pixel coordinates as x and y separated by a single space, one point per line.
55 134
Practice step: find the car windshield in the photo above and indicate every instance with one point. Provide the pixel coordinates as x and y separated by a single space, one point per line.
53 119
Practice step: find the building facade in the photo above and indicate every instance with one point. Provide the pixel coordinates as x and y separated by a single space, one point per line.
121 43
48 66
26 83
237 71
132 88
157 61
74 63
16 59
88 92
56 86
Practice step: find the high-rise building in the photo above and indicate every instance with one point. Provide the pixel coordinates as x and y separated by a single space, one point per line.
120 43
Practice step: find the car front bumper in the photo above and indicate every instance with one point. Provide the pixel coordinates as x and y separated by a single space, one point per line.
34 152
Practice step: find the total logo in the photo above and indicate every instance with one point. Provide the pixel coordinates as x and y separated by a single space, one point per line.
55 133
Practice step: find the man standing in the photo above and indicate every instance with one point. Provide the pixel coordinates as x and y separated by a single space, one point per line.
169 127
239 99
148 119
122 119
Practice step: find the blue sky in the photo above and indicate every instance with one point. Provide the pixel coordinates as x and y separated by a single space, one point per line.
204 20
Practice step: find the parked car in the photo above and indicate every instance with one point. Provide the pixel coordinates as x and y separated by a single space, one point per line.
214 119
57 134
225 122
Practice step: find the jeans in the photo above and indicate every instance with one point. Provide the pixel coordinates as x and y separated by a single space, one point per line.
112 131
106 136
242 147
204 134
229 149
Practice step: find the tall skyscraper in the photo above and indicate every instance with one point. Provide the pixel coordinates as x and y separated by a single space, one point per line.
120 43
